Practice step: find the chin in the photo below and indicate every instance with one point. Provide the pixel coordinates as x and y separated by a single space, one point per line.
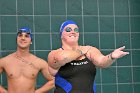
73 41
23 47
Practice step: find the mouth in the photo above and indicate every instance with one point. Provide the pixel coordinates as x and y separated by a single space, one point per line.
72 36
23 42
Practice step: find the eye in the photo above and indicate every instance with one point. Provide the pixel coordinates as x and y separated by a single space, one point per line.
19 34
68 29
27 35
76 30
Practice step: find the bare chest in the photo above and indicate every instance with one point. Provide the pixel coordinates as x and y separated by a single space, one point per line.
21 68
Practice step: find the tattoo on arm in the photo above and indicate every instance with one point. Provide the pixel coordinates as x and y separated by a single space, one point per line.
55 60
64 60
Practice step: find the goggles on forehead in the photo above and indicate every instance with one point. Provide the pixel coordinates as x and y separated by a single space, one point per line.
68 29
25 30
20 32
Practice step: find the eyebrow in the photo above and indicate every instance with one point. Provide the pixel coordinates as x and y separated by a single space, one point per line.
23 32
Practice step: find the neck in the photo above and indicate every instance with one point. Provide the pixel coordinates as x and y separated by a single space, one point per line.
22 52
69 46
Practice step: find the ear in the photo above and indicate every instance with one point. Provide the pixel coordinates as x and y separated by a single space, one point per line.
61 37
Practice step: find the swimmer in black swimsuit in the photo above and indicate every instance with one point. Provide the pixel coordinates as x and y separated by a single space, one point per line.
73 65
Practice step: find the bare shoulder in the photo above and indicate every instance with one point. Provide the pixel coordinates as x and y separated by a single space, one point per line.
92 48
37 59
54 53
39 62
89 48
6 59
53 56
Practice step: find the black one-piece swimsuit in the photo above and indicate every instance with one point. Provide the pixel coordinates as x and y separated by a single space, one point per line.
76 77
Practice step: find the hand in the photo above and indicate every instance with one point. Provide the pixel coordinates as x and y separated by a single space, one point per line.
2 90
118 53
37 91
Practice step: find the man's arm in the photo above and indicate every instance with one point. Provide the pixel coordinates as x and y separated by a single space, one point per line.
50 79
2 89
46 87
103 61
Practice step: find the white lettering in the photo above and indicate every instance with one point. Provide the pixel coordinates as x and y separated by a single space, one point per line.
80 63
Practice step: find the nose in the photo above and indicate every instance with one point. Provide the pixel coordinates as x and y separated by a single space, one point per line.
72 31
23 37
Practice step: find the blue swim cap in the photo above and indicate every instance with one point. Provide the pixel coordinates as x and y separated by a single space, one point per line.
65 24
26 30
